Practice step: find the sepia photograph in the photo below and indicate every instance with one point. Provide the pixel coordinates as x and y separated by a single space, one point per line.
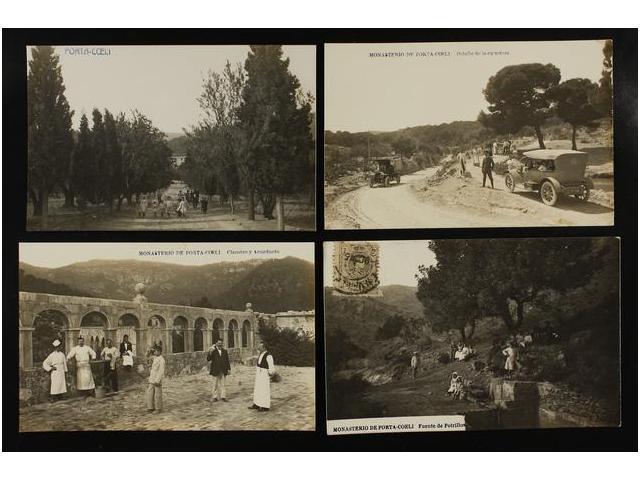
192 137
469 134
477 334
175 336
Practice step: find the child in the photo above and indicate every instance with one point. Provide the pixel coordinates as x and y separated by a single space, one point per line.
154 391
454 386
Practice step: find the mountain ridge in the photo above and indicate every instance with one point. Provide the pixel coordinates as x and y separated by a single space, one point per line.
280 285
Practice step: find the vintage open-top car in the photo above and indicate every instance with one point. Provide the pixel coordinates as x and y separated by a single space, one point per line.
384 173
550 172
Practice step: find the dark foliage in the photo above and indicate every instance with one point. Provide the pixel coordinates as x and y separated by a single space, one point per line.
288 346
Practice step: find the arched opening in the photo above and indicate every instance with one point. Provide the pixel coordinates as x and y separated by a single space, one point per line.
155 331
233 331
198 334
92 328
216 332
48 325
246 333
178 333
127 325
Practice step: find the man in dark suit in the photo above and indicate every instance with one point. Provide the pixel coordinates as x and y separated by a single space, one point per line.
219 369
126 352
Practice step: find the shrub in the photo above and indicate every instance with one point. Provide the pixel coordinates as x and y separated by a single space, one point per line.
390 328
443 357
288 346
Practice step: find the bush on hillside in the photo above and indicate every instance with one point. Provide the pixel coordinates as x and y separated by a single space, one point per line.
288 346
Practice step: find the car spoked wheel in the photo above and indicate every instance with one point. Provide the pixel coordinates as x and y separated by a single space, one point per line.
509 182
548 193
386 181
584 193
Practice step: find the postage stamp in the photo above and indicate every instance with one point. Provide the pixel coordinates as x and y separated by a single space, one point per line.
355 268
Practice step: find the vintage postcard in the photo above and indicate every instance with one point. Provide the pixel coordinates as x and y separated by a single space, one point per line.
198 137
481 134
480 334
175 336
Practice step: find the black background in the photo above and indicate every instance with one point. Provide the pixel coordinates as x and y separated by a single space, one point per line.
14 150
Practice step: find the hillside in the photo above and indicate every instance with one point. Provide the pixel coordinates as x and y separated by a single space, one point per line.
278 285
359 318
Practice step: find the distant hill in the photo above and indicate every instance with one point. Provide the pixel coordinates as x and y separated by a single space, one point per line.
270 285
31 283
360 317
403 298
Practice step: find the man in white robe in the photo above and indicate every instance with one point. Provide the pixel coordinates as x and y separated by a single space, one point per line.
262 388
83 355
56 365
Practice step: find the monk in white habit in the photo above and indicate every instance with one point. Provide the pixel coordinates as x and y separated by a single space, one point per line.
262 387
56 365
83 355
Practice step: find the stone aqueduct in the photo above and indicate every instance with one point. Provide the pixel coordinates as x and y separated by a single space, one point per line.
145 323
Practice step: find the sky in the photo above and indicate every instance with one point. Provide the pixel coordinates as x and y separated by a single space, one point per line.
399 261
163 82
425 87
54 255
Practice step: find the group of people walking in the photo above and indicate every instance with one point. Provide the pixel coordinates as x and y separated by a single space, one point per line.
217 356
161 205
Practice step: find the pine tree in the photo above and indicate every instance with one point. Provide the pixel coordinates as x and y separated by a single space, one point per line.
50 137
518 97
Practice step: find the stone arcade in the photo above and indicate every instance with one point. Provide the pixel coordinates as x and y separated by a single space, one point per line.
184 332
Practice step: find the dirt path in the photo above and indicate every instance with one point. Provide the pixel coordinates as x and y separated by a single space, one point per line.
456 202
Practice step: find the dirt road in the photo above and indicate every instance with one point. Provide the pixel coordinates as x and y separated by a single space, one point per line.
456 203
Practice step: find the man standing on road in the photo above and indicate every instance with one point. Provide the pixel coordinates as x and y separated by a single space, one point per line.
487 167
219 369
414 365
111 353
83 355
156 374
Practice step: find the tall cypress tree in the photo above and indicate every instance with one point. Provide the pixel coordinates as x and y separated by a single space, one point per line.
276 117
112 171
96 178
83 163
50 137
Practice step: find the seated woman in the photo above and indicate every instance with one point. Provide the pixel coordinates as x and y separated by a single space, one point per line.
459 355
456 387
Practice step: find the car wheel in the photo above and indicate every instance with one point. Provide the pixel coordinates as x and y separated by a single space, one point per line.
398 179
371 183
386 181
509 182
585 191
548 193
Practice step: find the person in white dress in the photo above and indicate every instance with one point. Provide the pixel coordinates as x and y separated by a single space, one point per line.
56 365
83 355
265 367
511 362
